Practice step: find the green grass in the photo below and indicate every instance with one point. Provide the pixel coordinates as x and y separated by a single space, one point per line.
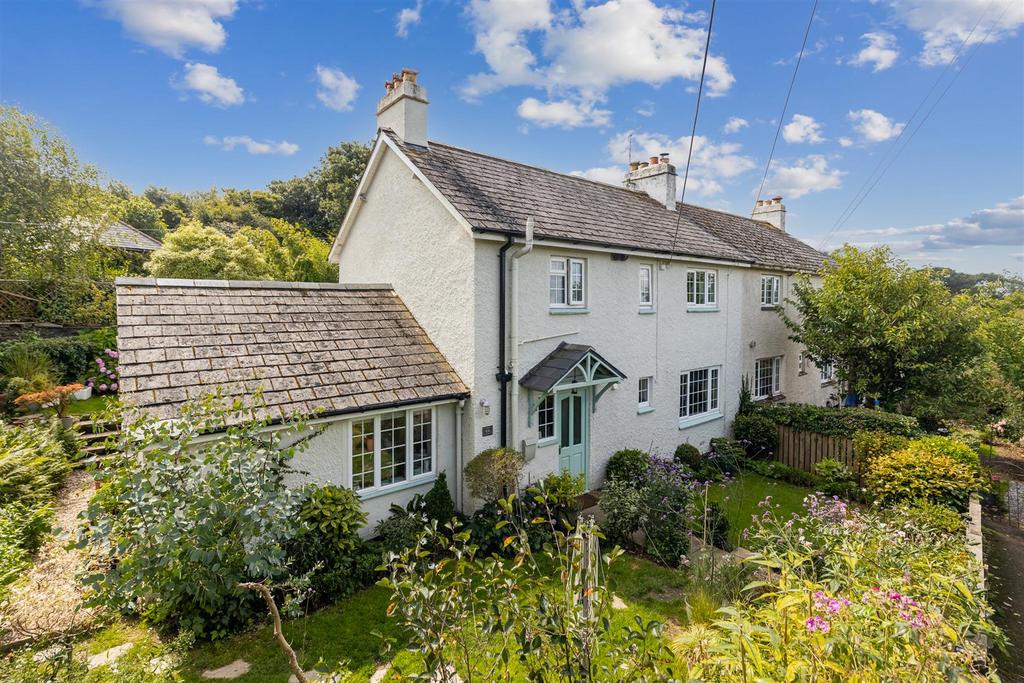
93 404
739 499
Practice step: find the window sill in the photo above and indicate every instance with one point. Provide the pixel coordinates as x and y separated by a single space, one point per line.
702 309
568 311
647 311
828 382
686 422
549 441
773 307
369 494
769 399
643 410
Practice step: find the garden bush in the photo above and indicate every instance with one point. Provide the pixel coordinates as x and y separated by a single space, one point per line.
951 448
727 454
868 445
494 473
333 572
621 503
714 526
179 522
777 470
70 358
400 529
835 478
24 370
22 530
929 516
838 422
757 433
562 491
628 464
33 463
438 503
919 473
689 455
336 515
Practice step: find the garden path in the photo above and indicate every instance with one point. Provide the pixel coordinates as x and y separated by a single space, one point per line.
49 599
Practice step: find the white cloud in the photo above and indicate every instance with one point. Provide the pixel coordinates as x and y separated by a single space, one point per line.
581 51
562 113
336 90
802 128
945 24
210 86
874 126
611 175
881 51
807 175
409 16
1001 225
173 25
230 142
646 108
735 124
845 142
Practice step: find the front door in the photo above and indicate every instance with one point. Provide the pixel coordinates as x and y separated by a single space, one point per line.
572 425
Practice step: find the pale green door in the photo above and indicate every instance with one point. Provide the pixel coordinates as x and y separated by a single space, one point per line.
572 426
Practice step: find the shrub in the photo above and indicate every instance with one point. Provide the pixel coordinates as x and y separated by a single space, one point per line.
438 503
334 573
104 379
562 491
485 530
620 502
929 516
868 445
921 474
25 370
399 530
727 454
951 448
777 470
57 398
32 463
689 455
714 526
69 359
838 422
335 513
178 522
835 478
628 464
22 530
758 433
494 473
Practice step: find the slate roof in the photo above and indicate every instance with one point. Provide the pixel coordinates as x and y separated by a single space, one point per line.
557 365
123 236
498 195
339 348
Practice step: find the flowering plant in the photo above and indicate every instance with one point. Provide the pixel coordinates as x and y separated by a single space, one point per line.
57 398
106 379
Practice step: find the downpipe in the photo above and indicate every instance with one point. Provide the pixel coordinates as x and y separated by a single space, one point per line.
513 343
503 375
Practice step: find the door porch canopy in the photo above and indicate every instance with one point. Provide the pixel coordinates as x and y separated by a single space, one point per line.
570 366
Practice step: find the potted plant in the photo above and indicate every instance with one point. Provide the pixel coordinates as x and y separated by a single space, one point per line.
57 398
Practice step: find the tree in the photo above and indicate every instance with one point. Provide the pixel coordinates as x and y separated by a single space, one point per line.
336 179
893 332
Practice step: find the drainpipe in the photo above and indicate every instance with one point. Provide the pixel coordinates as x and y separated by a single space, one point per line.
503 375
513 342
458 454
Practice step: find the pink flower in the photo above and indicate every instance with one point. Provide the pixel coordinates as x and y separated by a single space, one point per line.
103 387
113 387
817 624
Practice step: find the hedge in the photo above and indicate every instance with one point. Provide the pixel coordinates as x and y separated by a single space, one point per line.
74 357
838 422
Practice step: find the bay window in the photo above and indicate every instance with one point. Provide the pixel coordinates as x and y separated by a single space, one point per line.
391 448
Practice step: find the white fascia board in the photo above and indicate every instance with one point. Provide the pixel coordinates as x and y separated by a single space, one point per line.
353 208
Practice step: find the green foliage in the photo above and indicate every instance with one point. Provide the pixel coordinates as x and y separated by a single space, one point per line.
868 445
728 454
401 528
22 530
714 526
621 501
438 503
335 181
893 332
951 448
838 422
336 514
835 478
32 463
180 521
333 572
746 402
778 470
757 432
69 359
628 464
930 517
689 455
920 473
24 370
494 473
563 490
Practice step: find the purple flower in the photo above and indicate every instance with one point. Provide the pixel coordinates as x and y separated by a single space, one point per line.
113 387
103 387
817 624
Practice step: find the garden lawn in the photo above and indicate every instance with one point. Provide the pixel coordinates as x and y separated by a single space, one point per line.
93 404
739 499
344 633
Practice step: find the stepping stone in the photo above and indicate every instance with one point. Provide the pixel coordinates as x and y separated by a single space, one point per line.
617 603
313 677
380 673
108 657
47 653
161 665
235 669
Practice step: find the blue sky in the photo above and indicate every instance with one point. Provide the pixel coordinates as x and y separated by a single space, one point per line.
193 94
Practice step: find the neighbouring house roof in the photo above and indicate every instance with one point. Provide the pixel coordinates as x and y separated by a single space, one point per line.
310 346
560 362
123 236
498 195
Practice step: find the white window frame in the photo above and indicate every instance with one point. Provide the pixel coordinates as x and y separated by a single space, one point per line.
776 377
410 479
701 289
827 373
550 438
771 291
713 398
569 270
646 304
644 393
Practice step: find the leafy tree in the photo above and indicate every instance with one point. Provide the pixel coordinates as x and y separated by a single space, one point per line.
336 179
893 332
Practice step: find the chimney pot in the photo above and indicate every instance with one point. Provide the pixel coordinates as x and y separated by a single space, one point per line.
643 164
653 161
409 75
388 85
633 165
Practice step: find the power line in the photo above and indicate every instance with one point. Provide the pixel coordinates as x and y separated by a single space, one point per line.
693 130
785 106
872 181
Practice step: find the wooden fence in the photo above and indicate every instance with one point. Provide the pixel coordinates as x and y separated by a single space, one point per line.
803 450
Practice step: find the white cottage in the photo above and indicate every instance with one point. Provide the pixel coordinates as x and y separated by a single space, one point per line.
566 318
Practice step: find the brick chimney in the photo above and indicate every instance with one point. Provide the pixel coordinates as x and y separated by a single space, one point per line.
656 177
771 211
403 108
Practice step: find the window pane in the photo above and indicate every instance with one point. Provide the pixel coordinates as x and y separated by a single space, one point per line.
645 285
777 375
691 287
546 418
577 420
557 288
711 288
643 393
564 408
699 292
575 282
683 393
362 454
713 400
698 399
422 442
393 454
